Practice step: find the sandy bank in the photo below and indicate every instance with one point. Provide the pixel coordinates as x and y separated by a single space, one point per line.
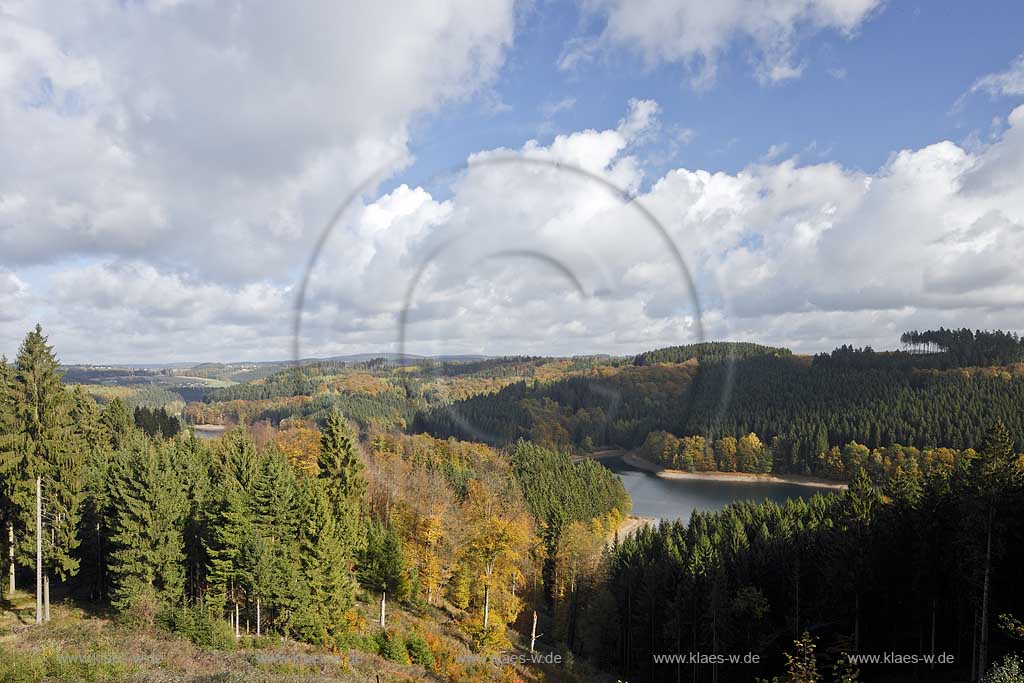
636 461
629 525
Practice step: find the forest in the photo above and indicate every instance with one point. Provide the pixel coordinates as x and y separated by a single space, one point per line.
419 514
799 407
910 566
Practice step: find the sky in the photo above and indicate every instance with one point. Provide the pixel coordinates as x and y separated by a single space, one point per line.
183 180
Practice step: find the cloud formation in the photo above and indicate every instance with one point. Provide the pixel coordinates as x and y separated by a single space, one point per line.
1006 83
174 162
695 33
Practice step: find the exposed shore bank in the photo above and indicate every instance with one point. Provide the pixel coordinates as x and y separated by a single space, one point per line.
636 461
629 525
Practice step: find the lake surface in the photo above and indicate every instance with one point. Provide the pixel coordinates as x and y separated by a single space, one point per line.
672 499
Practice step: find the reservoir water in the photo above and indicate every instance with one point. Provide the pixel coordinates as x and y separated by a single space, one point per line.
672 499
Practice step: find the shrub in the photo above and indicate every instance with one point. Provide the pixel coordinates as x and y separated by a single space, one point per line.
418 651
393 648
1010 670
198 626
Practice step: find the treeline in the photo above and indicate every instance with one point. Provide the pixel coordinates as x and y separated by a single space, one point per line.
699 454
709 352
384 410
296 381
965 348
929 564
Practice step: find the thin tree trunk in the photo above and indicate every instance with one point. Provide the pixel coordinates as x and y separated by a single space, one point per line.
487 604
533 631
46 597
39 550
10 554
257 617
383 607
974 643
983 645
237 633
933 634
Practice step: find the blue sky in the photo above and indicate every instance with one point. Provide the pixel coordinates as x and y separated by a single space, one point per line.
892 85
832 171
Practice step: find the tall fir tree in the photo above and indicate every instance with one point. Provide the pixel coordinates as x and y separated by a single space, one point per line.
52 451
341 474
994 475
116 418
325 570
228 527
147 511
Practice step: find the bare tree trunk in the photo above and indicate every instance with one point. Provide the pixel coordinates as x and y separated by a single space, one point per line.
933 634
46 597
39 550
974 644
237 633
383 606
487 604
985 589
533 631
257 617
10 554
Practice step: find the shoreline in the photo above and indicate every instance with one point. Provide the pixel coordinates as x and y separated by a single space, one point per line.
743 477
629 525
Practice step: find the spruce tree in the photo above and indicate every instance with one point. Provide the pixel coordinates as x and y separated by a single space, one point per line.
117 419
147 510
51 450
330 584
382 565
341 475
994 474
228 527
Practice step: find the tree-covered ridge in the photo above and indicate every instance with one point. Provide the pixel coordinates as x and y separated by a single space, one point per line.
916 566
375 394
609 406
811 408
708 352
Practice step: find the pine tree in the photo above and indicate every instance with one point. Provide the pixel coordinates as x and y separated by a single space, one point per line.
382 564
228 527
324 567
995 473
117 419
277 510
341 474
147 510
51 450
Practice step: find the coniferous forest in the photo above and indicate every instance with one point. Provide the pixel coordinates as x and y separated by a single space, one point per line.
409 519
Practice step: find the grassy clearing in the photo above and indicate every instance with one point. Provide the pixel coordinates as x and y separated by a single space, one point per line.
78 645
